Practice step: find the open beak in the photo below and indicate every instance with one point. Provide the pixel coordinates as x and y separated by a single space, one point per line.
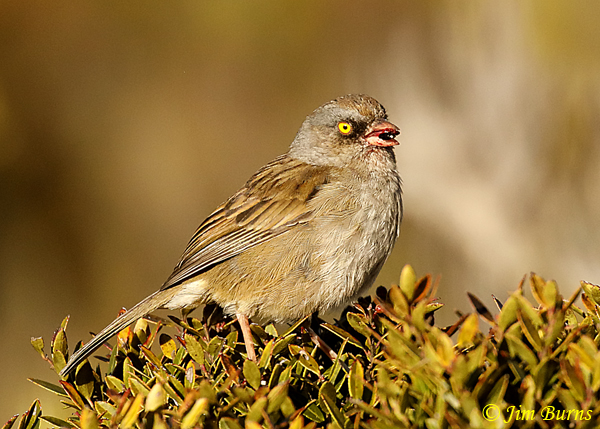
382 134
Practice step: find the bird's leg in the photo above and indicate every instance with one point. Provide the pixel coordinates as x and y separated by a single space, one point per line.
318 341
245 325
321 344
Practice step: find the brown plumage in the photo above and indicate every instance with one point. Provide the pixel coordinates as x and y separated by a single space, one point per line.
306 233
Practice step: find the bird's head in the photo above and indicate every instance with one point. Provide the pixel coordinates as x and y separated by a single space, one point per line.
345 130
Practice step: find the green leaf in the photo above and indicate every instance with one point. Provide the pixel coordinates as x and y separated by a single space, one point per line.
191 418
271 330
31 418
252 374
231 340
530 331
38 345
496 396
84 380
9 424
255 414
114 383
88 419
58 360
282 343
229 423
59 343
508 315
55 421
64 323
481 309
112 362
104 408
408 279
178 386
157 397
573 379
342 334
194 348
398 300
532 313
127 371
131 417
73 394
518 348
356 380
295 326
173 394
313 412
468 330
308 362
287 407
359 324
150 356
49 386
266 355
327 397
168 346
276 397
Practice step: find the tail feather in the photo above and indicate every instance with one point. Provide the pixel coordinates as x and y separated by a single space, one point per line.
151 303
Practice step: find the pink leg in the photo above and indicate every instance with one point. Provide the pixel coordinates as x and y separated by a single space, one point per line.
245 325
321 344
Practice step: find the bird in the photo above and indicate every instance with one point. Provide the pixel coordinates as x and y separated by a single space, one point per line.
307 233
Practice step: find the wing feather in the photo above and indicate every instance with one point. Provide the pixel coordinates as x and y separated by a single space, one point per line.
271 203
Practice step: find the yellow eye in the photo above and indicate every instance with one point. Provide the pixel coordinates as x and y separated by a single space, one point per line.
345 127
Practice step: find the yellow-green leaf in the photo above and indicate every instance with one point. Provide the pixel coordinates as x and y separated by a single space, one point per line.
194 348
88 419
255 414
229 423
518 348
398 300
156 398
508 315
31 418
328 399
49 386
408 280
276 397
114 383
592 291
266 354
356 380
359 324
38 345
468 330
134 410
73 394
252 374
168 346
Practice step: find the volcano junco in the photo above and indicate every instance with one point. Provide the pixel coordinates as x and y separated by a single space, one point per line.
308 232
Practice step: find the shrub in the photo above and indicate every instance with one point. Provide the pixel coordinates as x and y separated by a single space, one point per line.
535 366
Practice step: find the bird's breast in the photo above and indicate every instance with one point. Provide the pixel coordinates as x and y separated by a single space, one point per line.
320 264
355 240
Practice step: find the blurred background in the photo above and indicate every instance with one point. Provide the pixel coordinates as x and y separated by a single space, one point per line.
123 124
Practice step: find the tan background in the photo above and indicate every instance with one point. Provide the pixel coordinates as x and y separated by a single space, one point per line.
123 124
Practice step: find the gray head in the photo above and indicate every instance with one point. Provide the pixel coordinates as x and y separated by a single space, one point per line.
344 129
